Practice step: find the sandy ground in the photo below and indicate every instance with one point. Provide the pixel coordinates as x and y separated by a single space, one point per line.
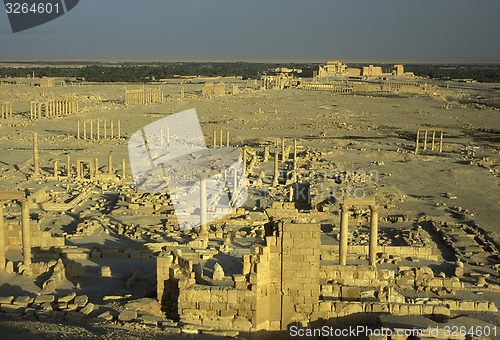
355 132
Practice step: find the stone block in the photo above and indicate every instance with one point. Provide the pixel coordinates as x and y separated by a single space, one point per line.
441 310
6 299
81 300
106 316
44 298
89 308
466 305
12 309
105 271
23 301
67 298
127 315
242 325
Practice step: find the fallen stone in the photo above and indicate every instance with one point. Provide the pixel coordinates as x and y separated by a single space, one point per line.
127 315
6 299
105 316
89 308
44 298
81 300
67 298
23 301
13 309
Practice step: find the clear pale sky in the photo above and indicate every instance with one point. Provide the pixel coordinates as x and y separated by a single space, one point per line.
281 30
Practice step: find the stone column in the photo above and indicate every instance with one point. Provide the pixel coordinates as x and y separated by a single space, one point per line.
416 142
110 164
227 137
294 153
295 159
111 130
344 225
78 130
215 138
91 130
56 169
244 161
266 154
123 170
98 129
26 235
84 130
373 235
162 137
203 205
441 142
276 170
235 184
68 166
2 239
96 166
282 150
36 171
221 137
425 140
433 139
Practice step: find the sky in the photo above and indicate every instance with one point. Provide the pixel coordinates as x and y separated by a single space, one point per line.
264 30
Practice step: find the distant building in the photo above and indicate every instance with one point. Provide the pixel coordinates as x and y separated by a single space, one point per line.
399 70
371 71
339 69
332 69
47 82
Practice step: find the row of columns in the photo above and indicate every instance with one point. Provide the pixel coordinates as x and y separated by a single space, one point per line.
85 129
53 107
426 139
94 172
344 232
143 96
213 90
221 137
5 109
93 167
284 158
326 87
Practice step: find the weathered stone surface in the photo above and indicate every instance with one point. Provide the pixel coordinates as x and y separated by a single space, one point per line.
89 308
81 300
44 298
218 272
6 299
23 301
105 316
66 299
127 315
13 309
